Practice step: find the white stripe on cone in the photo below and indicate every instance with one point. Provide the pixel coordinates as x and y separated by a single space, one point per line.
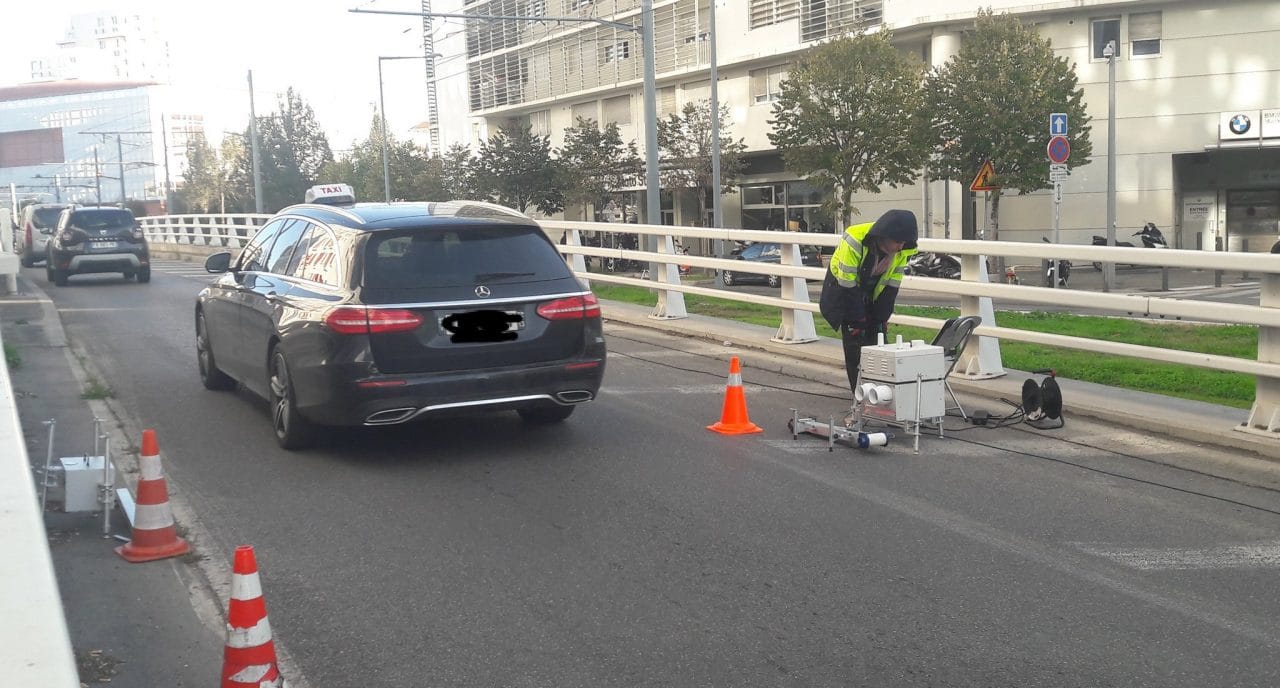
245 586
152 516
149 467
258 634
735 379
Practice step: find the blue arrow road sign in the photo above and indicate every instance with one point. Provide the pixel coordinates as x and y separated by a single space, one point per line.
1058 124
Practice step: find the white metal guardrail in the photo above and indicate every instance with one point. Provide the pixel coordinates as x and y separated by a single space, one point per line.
974 291
35 645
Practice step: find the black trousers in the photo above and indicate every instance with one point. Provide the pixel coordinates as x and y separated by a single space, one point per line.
853 343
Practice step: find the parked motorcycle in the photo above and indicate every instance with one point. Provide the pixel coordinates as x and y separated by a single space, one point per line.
926 264
1064 269
1152 237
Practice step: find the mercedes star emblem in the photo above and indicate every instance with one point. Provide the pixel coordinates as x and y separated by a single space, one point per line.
482 291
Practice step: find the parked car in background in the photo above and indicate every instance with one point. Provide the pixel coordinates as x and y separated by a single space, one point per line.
378 314
95 240
767 252
35 227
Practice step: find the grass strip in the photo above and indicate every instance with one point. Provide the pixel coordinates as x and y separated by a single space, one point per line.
1186 382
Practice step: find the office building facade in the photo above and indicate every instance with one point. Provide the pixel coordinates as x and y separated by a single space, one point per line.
1197 116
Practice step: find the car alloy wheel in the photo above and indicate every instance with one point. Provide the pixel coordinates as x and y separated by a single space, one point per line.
292 430
210 375
728 278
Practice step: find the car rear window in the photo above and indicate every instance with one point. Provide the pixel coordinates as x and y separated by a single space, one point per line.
102 219
453 256
45 217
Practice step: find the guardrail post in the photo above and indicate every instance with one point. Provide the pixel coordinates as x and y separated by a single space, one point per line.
978 361
1264 417
670 303
797 325
576 261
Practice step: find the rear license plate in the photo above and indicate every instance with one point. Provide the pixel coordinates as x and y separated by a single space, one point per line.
481 324
105 244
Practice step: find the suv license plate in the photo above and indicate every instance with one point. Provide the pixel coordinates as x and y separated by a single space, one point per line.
106 244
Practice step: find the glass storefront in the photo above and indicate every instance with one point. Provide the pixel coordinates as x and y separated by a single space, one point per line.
794 206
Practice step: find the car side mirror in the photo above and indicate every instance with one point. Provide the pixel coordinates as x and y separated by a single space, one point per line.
218 263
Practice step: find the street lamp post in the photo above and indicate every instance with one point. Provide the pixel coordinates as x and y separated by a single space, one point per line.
382 114
1109 268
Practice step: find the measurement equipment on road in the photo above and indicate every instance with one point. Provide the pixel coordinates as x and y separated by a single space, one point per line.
835 432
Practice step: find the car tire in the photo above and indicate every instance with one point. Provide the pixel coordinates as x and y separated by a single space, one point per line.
728 278
27 261
210 374
59 277
545 414
144 275
775 281
291 429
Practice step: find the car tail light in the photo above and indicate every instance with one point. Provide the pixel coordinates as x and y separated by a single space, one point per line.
361 320
69 237
137 231
572 308
29 238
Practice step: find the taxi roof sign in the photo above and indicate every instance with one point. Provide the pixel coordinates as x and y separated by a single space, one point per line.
331 194
985 177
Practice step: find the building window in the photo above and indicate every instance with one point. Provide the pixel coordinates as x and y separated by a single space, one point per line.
540 122
585 111
618 51
766 84
667 101
1102 32
617 110
767 12
1144 34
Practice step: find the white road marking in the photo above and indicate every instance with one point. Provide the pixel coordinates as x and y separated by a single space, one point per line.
1257 556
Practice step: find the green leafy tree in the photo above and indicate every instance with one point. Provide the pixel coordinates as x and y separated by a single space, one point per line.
685 148
596 162
200 177
992 101
414 175
236 182
849 119
294 148
457 175
515 168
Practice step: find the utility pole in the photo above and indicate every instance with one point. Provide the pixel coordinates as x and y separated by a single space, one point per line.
97 178
164 143
120 153
717 203
653 190
382 112
257 156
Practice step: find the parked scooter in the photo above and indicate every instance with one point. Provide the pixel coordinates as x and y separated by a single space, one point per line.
1152 237
1064 269
926 264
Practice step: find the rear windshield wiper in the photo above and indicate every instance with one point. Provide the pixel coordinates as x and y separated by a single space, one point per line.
485 276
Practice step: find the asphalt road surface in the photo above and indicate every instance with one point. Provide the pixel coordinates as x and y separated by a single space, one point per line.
629 546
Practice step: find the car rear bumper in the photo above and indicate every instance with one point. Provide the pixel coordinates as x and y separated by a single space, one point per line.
349 395
106 262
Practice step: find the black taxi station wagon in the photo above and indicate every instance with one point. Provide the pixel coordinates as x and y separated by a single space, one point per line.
341 313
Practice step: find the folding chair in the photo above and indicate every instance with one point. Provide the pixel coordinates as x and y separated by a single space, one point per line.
952 338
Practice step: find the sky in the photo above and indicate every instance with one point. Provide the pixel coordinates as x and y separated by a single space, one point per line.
326 53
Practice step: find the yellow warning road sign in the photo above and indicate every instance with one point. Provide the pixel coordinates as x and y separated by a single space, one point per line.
983 182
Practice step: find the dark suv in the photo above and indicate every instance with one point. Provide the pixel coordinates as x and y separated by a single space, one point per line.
91 240
379 314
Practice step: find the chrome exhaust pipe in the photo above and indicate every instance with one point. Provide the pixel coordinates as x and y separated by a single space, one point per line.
576 396
390 416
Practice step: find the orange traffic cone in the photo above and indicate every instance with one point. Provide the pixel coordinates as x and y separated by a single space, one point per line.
733 419
249 660
154 534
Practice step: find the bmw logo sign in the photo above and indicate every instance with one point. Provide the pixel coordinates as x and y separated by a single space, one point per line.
1240 124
